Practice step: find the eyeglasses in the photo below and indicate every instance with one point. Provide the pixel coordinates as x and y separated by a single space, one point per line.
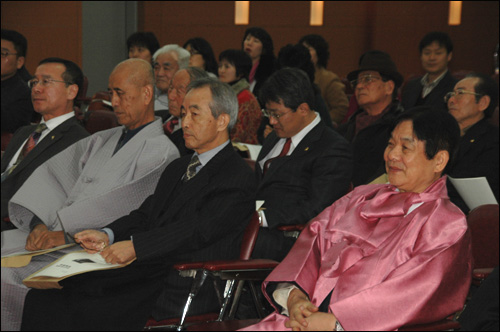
458 94
269 114
365 80
6 54
45 82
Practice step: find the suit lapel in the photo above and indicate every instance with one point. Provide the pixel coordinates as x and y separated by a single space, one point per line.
15 145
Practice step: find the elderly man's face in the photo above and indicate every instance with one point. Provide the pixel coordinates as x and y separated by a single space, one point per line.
406 163
177 92
372 91
464 107
165 67
128 99
201 130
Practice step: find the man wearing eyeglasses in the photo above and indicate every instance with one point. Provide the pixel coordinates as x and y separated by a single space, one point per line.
54 88
303 165
375 85
17 110
472 102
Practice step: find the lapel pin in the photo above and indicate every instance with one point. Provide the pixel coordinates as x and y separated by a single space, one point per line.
53 137
472 140
306 149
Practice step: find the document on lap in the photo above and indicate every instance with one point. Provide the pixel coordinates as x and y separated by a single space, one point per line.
69 265
474 191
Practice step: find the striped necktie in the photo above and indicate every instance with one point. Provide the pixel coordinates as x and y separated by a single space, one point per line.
191 169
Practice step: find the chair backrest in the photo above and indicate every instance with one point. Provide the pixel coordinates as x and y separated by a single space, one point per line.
483 224
99 101
249 237
100 120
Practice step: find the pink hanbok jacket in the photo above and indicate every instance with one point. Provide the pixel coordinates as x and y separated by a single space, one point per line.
388 265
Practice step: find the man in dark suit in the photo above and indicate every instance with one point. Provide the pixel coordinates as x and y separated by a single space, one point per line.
303 166
53 90
176 93
472 103
436 50
198 212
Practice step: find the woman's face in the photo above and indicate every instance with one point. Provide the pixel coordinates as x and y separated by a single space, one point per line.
227 71
196 59
314 54
253 46
406 163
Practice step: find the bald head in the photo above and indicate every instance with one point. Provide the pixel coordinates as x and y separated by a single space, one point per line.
131 85
138 71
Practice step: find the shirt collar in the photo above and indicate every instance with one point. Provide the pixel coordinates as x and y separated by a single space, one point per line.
424 82
205 157
301 134
54 122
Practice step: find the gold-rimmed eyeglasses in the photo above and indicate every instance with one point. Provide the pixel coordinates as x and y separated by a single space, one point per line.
365 80
6 54
269 114
458 94
45 82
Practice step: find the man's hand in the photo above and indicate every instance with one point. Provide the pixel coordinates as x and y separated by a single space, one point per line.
119 253
92 241
40 238
317 321
299 308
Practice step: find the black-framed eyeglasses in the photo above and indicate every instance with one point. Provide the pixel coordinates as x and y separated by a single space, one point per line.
269 114
6 54
458 94
365 80
45 82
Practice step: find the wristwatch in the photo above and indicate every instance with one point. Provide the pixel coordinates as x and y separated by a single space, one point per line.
338 327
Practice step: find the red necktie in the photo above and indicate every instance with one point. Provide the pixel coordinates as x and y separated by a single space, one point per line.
283 153
168 127
33 139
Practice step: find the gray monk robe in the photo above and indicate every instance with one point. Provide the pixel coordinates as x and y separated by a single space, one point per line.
84 186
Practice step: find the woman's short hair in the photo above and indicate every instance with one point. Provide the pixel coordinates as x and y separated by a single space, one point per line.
205 49
224 99
144 39
320 45
439 130
290 85
240 60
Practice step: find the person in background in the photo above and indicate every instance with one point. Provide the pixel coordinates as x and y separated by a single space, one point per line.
166 62
202 55
332 89
303 165
234 68
176 93
472 103
259 45
436 51
375 85
16 107
142 45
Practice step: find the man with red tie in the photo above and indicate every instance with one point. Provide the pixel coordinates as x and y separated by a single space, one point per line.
53 90
176 92
303 166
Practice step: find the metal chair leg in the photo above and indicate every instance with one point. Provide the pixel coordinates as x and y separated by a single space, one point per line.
227 297
198 281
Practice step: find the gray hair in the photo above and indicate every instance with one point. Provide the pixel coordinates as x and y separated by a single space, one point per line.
196 73
182 54
224 98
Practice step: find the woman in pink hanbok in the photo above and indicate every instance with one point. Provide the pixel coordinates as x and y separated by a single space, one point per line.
382 256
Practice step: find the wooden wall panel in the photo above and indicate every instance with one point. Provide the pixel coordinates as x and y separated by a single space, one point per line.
52 28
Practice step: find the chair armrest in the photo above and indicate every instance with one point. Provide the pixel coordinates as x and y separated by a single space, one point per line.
188 266
232 265
292 228
478 275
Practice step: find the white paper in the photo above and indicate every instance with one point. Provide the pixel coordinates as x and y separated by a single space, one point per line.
253 150
258 204
474 191
74 263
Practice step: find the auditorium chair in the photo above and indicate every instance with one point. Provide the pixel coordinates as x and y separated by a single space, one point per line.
98 120
100 101
233 272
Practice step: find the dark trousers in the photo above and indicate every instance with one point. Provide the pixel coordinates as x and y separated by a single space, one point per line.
117 299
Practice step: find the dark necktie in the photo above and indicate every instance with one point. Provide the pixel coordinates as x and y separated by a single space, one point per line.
191 169
283 153
27 147
169 126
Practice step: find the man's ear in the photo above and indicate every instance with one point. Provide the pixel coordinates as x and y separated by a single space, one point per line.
223 121
148 93
20 62
441 160
303 109
390 86
72 91
484 102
